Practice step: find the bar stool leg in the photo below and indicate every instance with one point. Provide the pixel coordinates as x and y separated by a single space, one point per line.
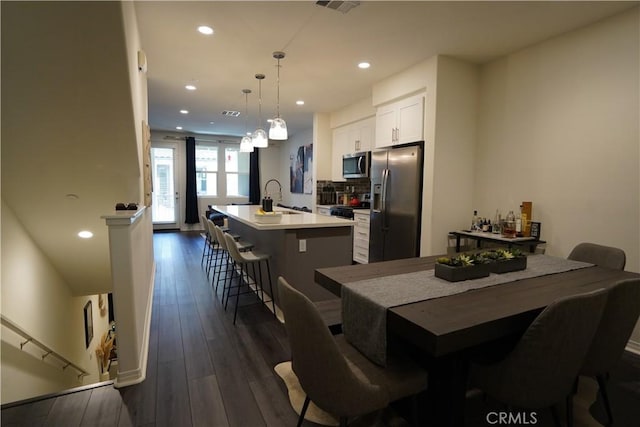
273 300
243 268
228 284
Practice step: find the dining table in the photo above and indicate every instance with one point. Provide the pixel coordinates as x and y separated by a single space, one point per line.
447 332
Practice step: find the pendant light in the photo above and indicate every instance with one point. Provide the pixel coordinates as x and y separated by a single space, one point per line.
278 128
259 137
246 146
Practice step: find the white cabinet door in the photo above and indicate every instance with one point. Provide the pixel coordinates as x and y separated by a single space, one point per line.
400 122
385 126
410 120
365 130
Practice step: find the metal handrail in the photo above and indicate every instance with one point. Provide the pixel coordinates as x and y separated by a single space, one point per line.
48 352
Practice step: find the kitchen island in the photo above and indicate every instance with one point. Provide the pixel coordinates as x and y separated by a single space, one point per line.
298 244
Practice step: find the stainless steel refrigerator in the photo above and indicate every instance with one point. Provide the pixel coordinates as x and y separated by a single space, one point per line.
396 210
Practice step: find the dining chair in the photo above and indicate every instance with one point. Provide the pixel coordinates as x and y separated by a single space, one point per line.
619 317
541 369
603 256
223 260
333 374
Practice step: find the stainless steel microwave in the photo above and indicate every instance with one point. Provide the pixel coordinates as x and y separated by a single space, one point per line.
356 165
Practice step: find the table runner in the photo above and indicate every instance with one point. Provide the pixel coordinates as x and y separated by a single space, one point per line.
365 302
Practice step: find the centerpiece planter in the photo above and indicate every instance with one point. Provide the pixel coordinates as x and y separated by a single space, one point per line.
462 267
453 273
507 265
505 261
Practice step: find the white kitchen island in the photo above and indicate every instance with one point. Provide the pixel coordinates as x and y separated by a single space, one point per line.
298 244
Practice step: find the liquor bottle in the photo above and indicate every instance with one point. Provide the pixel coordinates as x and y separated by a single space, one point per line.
523 219
509 226
474 221
519 223
496 222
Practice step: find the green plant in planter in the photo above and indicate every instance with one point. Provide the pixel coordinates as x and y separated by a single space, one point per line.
462 267
464 260
506 260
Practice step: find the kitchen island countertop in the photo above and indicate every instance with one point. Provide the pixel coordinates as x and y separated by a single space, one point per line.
291 219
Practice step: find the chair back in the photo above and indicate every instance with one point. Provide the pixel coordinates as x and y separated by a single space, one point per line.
618 320
210 230
603 256
218 235
540 371
317 360
232 247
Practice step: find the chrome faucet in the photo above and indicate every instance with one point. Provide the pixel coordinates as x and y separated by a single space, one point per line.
266 193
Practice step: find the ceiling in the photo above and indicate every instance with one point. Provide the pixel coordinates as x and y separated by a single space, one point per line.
323 47
67 121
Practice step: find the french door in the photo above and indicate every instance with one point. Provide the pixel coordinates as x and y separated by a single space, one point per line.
165 197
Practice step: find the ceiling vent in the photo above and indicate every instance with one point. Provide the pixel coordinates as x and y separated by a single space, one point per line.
230 113
342 6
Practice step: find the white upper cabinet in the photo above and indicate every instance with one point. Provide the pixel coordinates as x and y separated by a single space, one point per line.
400 122
352 138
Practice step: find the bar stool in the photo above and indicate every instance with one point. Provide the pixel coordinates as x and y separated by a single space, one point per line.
222 255
207 240
243 260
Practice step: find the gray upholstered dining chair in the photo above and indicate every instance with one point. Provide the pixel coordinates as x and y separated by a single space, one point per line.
616 325
541 369
603 256
332 373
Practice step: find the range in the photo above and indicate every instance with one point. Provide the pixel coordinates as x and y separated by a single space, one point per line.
346 211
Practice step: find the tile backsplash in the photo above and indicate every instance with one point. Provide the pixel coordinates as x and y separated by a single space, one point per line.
327 189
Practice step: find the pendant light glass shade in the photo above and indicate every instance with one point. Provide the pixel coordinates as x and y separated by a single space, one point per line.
278 130
259 138
246 146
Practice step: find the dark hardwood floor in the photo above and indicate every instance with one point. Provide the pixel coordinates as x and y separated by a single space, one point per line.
204 371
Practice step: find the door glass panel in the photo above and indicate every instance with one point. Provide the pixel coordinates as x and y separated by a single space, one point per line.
163 197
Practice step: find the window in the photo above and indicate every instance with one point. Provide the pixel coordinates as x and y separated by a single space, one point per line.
236 167
226 176
206 170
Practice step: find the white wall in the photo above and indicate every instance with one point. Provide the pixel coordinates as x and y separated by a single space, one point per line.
454 151
288 151
36 298
558 126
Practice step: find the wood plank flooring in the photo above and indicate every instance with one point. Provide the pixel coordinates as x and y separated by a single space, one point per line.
204 371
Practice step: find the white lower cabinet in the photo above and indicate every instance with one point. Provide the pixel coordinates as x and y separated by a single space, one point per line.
361 237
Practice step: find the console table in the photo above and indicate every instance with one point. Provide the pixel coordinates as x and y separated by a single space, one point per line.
483 236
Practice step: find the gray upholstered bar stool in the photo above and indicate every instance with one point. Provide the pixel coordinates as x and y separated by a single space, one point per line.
222 255
243 260
207 240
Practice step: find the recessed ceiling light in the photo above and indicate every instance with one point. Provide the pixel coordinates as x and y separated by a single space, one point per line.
364 65
300 102
211 123
179 127
85 234
205 30
184 111
190 87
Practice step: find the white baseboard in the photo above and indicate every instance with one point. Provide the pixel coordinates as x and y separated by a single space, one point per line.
136 376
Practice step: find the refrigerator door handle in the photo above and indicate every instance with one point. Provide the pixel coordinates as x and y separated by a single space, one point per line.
385 179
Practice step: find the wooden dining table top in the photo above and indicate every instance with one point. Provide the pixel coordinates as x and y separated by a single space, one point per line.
454 323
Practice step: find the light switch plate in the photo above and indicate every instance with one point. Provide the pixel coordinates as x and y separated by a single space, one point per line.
302 245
